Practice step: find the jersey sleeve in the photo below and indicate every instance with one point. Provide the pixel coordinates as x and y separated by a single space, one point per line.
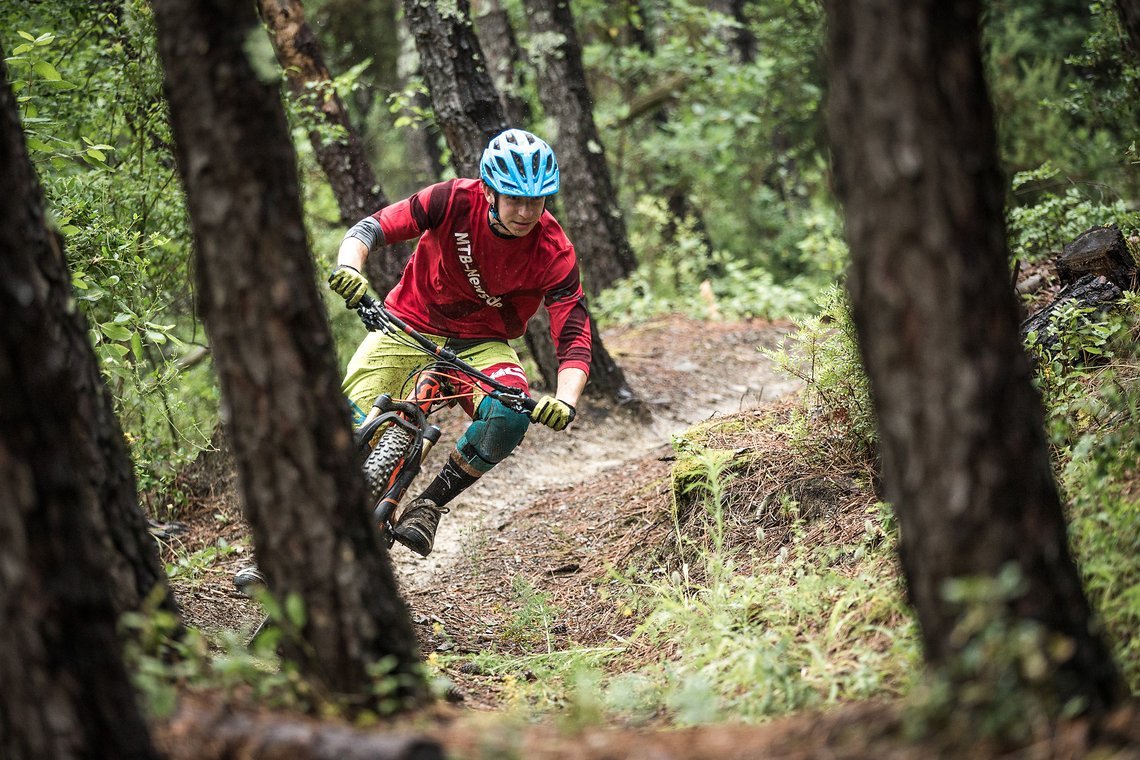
569 319
415 215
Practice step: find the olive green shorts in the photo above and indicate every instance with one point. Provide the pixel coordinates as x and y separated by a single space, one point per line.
388 363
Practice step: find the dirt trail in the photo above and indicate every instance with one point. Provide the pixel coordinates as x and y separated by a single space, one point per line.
685 371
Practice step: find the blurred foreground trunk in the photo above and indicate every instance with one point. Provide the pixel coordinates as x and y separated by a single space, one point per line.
289 427
65 693
964 455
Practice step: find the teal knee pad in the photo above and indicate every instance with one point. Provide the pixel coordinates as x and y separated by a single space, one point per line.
492 435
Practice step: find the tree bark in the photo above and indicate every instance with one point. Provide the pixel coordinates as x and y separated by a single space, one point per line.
299 474
66 693
592 211
462 94
740 39
497 37
469 113
1129 12
354 184
964 455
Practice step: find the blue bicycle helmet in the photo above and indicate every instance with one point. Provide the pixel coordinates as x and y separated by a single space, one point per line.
518 163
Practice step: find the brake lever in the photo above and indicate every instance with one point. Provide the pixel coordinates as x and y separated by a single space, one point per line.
516 402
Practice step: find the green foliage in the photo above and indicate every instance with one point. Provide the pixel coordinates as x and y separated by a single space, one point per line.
167 660
1101 480
1080 358
1064 89
738 140
533 619
90 93
999 684
192 568
1042 227
1090 380
835 422
685 277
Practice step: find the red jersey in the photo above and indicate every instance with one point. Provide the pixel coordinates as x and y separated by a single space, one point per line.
464 281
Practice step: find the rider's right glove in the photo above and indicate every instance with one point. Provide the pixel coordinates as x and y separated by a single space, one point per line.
348 283
553 413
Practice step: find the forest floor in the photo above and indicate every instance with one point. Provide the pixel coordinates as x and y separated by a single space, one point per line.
543 514
556 517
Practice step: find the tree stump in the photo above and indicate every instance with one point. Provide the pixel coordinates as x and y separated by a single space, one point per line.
1098 251
1095 269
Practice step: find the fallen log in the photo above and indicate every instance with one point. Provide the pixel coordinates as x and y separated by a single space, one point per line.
205 732
1092 291
1094 269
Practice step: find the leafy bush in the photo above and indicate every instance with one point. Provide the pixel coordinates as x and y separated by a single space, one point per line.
1091 384
835 422
103 151
684 276
1041 229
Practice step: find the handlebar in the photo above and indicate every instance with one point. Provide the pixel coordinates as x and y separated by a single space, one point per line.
376 318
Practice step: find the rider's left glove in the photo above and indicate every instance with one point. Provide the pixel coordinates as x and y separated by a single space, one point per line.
553 413
348 283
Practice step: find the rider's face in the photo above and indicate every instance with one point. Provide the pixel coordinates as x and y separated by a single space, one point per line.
518 215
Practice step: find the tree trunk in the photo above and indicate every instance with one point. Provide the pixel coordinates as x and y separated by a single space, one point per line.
289 428
66 693
354 184
497 37
964 455
462 94
1129 12
592 213
470 114
740 39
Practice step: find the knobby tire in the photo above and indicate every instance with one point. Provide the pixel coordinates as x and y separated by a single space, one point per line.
385 457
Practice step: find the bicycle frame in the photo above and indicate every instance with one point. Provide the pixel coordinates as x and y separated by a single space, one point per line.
376 317
433 385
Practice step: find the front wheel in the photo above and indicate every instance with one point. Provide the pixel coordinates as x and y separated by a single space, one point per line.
385 459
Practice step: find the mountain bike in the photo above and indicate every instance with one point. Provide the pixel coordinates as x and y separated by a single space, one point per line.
397 435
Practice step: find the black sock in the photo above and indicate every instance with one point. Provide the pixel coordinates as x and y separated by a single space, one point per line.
450 482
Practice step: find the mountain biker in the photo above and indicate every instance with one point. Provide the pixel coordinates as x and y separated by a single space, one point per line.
489 254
